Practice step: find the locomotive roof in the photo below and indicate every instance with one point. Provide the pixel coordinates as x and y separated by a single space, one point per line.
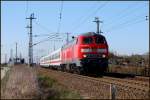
90 34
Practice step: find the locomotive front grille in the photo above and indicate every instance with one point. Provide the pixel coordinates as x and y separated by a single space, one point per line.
93 55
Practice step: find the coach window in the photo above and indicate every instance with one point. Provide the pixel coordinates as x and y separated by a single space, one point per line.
87 40
55 56
52 57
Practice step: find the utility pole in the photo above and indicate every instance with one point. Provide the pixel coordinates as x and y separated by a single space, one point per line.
20 56
11 55
67 40
1 54
30 39
5 58
16 53
98 24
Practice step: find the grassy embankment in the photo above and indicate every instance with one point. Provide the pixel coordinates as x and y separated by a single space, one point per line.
51 89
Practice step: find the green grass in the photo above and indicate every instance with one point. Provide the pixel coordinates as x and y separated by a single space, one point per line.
53 90
46 81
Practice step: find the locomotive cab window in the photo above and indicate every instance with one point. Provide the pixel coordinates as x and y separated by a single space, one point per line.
99 40
87 40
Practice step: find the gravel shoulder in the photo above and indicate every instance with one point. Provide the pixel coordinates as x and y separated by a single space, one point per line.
97 88
3 71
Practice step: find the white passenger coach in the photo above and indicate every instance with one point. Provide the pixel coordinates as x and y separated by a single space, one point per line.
52 60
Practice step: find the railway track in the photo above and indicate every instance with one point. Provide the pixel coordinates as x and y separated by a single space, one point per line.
128 89
128 81
140 78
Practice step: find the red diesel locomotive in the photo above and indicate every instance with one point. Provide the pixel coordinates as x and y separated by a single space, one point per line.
86 53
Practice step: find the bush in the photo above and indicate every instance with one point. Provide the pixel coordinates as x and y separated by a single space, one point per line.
51 89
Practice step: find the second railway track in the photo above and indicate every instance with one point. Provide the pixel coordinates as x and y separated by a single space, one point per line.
140 84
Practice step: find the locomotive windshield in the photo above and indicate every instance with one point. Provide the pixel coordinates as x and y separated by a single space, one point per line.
99 40
88 40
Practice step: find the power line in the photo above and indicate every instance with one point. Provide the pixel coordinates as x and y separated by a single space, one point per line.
47 39
41 35
27 7
42 26
128 25
60 17
125 23
83 22
83 16
124 15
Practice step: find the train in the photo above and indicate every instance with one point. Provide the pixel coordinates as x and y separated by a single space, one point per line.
86 53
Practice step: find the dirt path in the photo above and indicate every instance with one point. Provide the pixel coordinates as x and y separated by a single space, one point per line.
22 84
3 71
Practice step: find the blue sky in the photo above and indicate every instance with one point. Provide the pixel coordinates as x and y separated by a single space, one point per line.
124 24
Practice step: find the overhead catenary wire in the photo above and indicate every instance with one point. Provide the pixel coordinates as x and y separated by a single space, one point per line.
48 31
83 16
124 15
41 35
49 35
47 39
60 17
126 22
27 7
93 13
42 27
54 36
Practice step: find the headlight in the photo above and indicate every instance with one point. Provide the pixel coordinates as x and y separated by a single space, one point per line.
86 50
103 56
84 56
102 50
